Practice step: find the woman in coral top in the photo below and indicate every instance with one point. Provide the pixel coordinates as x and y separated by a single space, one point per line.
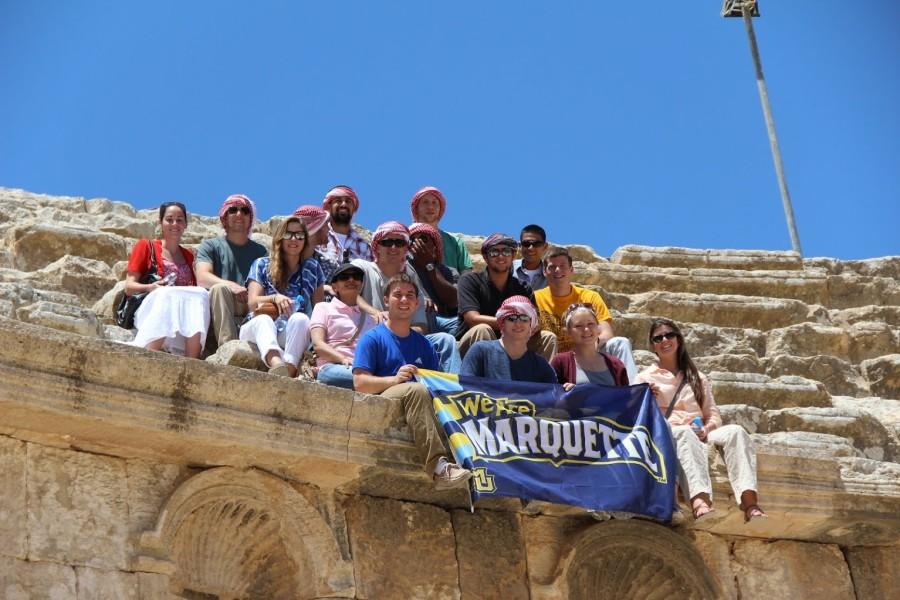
676 379
175 314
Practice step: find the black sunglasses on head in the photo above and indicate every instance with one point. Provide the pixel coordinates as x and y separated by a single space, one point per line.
233 210
669 335
393 243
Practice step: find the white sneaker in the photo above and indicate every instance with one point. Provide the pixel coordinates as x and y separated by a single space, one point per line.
451 476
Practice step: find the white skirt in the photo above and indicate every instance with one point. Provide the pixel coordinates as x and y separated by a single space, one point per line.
173 313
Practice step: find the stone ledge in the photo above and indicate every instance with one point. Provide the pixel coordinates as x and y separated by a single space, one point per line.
673 256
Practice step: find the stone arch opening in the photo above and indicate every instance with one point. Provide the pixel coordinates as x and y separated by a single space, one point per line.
635 559
231 533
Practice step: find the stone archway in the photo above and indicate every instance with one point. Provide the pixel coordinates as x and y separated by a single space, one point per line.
635 559
231 533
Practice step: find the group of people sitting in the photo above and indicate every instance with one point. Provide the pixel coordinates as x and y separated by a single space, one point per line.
374 313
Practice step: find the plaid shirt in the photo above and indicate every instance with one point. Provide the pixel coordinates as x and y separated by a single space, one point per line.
332 252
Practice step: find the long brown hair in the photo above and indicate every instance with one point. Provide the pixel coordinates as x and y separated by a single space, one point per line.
683 359
278 269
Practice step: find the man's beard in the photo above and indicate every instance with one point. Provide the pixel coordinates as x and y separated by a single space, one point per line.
341 217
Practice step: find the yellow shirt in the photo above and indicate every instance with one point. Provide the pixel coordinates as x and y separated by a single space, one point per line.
552 308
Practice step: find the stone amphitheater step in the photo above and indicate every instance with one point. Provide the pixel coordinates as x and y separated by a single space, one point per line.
869 436
763 392
670 256
813 286
754 312
859 342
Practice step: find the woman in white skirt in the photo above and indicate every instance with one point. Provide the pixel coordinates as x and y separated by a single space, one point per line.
174 315
696 422
285 285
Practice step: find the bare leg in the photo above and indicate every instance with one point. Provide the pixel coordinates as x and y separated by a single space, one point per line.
192 346
155 345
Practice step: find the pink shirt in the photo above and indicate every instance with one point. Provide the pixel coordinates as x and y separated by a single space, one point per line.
339 322
686 407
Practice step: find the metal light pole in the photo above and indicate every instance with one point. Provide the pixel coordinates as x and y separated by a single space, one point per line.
748 9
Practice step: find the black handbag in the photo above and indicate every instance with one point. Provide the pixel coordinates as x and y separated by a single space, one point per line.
128 305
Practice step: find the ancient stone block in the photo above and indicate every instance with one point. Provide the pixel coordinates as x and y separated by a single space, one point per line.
805 443
722 310
149 485
871 340
491 554
864 431
668 256
761 391
38 245
77 510
838 376
878 313
61 316
88 279
24 580
387 536
13 529
237 354
735 363
809 339
750 418
848 291
716 554
876 572
94 584
796 569
883 375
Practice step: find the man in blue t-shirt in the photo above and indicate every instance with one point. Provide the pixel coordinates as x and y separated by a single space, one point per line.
387 358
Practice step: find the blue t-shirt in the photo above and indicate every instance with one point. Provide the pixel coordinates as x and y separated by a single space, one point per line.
381 352
303 281
488 359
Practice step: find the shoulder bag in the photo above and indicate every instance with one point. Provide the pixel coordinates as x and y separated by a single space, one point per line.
128 305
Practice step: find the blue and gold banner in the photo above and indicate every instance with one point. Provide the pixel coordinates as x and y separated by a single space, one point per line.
598 447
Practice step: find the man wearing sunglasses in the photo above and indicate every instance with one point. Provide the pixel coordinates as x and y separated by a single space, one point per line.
560 294
222 265
482 293
528 269
390 244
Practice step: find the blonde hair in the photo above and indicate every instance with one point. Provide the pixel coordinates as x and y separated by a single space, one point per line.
278 269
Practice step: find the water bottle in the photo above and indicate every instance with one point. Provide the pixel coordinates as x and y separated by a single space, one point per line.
281 321
697 425
168 279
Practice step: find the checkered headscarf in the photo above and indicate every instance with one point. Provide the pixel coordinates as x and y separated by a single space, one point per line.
394 227
313 217
414 203
517 305
237 200
431 232
338 191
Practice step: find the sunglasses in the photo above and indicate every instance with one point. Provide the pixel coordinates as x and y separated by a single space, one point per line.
669 335
517 318
504 252
294 235
393 243
233 210
348 276
531 244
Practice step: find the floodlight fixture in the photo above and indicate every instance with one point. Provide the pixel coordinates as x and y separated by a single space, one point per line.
746 9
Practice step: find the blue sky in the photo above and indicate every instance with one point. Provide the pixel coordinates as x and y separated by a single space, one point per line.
607 122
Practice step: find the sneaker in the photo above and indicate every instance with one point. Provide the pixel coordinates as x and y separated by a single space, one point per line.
452 476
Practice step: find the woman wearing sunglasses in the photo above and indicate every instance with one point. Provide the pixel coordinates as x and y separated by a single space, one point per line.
684 395
336 327
283 285
174 315
584 364
509 357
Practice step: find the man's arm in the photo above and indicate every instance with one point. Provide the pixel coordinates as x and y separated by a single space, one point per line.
473 318
365 382
606 332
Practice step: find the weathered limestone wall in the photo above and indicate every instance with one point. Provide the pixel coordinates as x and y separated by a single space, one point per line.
131 474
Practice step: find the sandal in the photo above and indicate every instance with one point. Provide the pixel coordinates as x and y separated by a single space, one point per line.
753 512
700 517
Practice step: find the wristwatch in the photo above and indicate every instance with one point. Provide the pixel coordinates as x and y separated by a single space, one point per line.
429 267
